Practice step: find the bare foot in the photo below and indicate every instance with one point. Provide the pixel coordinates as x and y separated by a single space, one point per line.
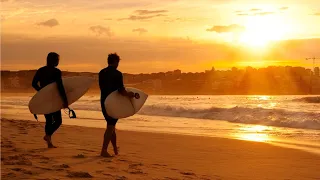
48 140
116 150
50 145
105 154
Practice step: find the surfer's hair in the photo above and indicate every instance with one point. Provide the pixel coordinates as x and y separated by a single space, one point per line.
113 58
53 59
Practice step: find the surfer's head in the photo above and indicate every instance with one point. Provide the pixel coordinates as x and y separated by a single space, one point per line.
52 59
113 59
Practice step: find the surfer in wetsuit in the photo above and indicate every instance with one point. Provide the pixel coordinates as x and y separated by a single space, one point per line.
110 79
46 75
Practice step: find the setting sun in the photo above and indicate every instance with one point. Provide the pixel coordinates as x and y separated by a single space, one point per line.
262 30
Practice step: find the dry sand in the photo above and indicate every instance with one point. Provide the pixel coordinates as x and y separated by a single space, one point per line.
145 156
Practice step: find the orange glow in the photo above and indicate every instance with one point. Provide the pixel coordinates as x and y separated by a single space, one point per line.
260 31
159 35
254 133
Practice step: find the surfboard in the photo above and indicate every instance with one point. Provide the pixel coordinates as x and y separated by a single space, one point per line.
119 106
48 99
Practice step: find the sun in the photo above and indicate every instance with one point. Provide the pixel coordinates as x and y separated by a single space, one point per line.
262 30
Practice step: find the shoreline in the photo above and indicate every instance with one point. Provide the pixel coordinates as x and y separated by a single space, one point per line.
145 156
128 125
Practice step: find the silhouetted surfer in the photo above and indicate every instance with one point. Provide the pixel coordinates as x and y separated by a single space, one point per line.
110 79
46 75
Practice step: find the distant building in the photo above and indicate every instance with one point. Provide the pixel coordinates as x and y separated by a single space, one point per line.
234 69
169 73
316 71
177 72
210 71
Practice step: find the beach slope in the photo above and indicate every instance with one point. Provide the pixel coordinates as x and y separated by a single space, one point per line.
144 156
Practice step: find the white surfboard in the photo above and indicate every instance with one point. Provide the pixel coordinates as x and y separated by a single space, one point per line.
48 99
119 106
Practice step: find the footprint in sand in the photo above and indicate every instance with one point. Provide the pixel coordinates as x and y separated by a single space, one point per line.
8 176
79 156
123 160
60 167
6 143
17 160
115 177
79 174
135 168
188 173
170 178
159 165
106 160
44 168
86 150
134 165
23 171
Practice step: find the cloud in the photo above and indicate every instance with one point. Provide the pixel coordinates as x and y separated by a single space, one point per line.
283 8
147 12
316 14
99 30
243 14
178 20
50 23
144 15
263 13
255 9
107 19
140 30
4 0
226 29
135 18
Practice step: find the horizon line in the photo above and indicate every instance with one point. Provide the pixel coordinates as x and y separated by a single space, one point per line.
215 69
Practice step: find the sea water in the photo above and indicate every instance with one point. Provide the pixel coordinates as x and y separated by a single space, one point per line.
290 121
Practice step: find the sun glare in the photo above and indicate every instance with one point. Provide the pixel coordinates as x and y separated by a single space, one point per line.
254 133
255 137
262 30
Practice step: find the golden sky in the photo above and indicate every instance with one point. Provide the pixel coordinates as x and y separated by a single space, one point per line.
159 35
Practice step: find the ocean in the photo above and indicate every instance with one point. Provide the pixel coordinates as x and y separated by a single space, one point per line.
290 121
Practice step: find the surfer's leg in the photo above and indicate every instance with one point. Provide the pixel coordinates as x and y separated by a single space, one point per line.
48 123
107 137
48 129
57 121
114 142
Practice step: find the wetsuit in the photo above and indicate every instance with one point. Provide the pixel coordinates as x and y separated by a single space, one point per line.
110 79
45 76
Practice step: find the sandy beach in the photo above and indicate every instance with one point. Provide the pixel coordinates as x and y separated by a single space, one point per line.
144 156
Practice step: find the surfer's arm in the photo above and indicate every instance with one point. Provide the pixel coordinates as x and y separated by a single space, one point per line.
35 81
123 90
61 89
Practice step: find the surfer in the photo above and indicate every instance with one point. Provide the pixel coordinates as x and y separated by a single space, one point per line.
46 75
110 79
